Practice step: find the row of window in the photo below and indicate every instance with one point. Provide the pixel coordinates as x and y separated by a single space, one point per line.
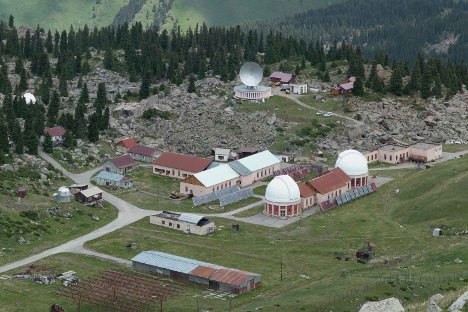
163 222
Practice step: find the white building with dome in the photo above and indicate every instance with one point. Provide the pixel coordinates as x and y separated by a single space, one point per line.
354 164
29 98
63 195
283 197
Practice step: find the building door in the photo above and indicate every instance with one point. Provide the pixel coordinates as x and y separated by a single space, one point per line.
283 213
107 169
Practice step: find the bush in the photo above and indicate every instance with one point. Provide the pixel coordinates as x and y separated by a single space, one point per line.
153 112
30 214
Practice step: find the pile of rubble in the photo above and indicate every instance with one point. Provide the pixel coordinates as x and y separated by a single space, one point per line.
392 120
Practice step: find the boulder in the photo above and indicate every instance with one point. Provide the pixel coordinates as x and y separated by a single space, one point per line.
433 307
387 305
436 298
460 303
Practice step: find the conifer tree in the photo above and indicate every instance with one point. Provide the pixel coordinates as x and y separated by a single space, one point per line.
396 82
93 128
84 96
358 86
191 86
79 128
437 89
17 138
4 143
101 97
31 140
48 145
63 86
145 86
68 140
23 84
426 83
52 112
326 76
108 59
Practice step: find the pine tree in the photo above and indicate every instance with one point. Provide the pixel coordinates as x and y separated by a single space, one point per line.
437 89
4 143
54 107
79 119
108 59
93 128
426 83
44 91
2 157
145 86
266 71
17 138
23 84
48 145
191 86
84 96
326 76
101 97
358 86
68 140
31 140
11 21
396 82
297 70
63 86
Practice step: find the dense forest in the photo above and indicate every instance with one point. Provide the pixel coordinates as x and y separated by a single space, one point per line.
151 56
400 27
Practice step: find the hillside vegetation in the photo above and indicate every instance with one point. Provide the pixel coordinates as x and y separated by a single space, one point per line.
60 14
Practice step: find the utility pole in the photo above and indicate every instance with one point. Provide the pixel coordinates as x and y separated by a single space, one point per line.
410 261
281 269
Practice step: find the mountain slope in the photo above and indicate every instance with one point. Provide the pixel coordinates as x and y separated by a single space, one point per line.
63 13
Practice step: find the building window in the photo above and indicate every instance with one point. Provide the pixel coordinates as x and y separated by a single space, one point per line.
186 189
178 226
390 157
170 223
163 222
283 213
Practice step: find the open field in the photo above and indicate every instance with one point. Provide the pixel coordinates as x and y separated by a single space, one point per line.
152 192
399 224
453 148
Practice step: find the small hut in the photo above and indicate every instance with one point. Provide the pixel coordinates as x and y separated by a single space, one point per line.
63 195
436 232
21 192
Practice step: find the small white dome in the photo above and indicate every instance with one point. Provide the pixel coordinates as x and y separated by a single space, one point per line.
282 189
29 98
353 163
64 191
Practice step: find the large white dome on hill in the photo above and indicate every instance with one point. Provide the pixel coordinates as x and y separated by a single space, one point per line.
282 189
353 163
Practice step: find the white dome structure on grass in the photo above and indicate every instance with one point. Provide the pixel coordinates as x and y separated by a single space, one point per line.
29 98
63 195
251 75
354 164
282 197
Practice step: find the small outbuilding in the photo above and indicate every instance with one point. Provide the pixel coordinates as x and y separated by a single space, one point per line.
56 133
90 196
21 192
113 180
298 88
221 154
281 78
185 222
179 166
124 144
436 232
63 195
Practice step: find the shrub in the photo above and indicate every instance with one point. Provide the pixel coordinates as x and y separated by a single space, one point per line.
153 112
30 214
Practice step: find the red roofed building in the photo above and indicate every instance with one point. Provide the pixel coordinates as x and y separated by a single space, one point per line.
280 77
125 144
143 153
120 165
333 183
179 166
56 134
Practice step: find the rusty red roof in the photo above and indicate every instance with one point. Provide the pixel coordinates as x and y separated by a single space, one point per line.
203 271
123 161
142 150
230 277
284 77
182 162
330 181
128 143
305 189
248 149
55 131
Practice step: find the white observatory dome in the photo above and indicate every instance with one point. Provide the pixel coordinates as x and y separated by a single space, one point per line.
353 163
282 189
29 98
64 191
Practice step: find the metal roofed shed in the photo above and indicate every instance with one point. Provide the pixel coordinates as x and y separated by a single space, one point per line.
186 222
259 161
240 168
113 180
192 271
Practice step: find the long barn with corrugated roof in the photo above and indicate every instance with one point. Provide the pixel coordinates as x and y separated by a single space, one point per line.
193 271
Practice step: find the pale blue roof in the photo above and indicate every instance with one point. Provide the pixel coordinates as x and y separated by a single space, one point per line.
259 161
169 262
240 168
110 176
216 175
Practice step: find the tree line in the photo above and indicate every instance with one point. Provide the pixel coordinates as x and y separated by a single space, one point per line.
152 56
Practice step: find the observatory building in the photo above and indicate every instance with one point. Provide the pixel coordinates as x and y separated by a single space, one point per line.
251 75
354 164
282 197
29 98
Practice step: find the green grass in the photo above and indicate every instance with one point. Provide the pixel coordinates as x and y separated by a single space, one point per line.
251 212
334 105
399 224
47 230
152 192
55 14
453 148
379 165
260 190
